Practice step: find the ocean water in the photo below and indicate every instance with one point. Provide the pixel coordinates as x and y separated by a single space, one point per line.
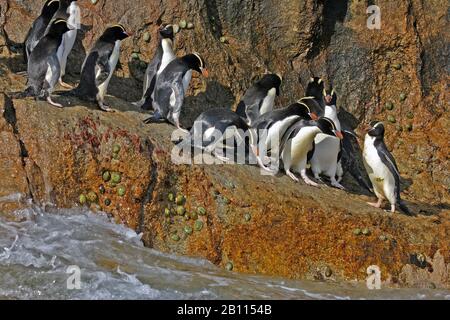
44 256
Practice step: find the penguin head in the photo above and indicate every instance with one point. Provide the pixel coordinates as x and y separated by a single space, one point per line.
115 33
305 111
166 31
50 8
195 62
327 126
58 27
330 96
376 129
315 88
270 81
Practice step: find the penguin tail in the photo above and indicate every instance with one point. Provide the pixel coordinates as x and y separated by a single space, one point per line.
402 206
29 92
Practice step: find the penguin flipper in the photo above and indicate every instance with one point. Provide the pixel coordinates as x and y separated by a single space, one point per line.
102 70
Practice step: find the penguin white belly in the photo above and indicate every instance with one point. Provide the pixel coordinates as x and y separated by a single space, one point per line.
325 155
331 113
168 55
113 59
276 132
268 102
381 177
296 151
187 80
70 36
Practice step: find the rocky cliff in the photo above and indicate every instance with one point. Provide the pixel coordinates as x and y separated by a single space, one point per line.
231 214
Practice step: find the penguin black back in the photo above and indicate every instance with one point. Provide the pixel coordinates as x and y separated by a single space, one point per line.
98 56
39 26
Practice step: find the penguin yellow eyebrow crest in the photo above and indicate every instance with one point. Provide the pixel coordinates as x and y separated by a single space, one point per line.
199 58
60 21
52 2
300 102
119 26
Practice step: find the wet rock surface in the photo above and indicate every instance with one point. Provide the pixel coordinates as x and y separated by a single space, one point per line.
232 215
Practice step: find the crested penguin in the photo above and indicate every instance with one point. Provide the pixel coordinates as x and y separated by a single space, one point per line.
272 126
171 86
260 98
70 11
298 141
314 98
163 56
39 26
216 125
99 66
43 64
326 156
382 168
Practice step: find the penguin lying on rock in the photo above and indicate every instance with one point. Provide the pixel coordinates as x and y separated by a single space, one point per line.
99 66
171 87
163 56
43 64
260 98
382 169
39 26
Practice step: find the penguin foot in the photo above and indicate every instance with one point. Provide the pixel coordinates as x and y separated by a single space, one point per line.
307 180
153 119
105 107
65 85
49 100
292 176
337 185
376 205
311 183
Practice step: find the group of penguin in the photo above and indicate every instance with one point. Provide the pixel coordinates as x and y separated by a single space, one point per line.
307 132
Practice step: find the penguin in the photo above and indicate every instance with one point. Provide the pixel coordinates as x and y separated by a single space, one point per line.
171 87
215 126
382 168
314 98
43 64
298 141
272 125
70 11
163 56
326 156
99 66
260 98
39 26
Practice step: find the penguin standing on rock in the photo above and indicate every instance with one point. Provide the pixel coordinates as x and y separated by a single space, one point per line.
163 56
326 156
314 98
99 66
260 98
43 64
39 26
171 87
382 168
70 11
273 125
298 141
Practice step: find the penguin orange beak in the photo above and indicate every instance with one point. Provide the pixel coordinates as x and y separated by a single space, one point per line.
129 34
313 116
205 72
339 134
328 98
